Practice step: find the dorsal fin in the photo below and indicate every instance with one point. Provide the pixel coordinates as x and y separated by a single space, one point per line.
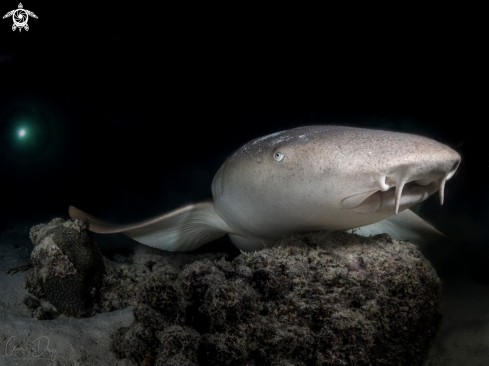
186 228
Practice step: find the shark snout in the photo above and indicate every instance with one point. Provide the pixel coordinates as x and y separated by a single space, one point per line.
405 186
420 179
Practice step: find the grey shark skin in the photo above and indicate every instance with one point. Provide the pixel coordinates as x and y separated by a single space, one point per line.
306 179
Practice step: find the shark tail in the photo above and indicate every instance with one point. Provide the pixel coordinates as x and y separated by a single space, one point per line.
183 229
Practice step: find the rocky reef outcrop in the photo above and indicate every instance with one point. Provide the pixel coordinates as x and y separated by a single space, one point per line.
316 299
324 298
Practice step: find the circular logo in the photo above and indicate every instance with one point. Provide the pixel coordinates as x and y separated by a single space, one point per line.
20 17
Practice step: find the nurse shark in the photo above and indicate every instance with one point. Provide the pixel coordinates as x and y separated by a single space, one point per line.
305 179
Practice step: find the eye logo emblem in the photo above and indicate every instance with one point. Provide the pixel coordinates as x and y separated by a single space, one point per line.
20 17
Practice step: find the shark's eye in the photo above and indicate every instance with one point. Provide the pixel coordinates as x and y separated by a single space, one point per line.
278 156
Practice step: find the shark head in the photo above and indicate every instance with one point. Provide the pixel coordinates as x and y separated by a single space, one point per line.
328 178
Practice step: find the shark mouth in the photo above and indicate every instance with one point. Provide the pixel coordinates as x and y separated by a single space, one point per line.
390 196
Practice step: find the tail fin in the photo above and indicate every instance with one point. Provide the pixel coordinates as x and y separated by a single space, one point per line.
183 229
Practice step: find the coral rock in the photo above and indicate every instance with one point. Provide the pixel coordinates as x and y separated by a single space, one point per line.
325 298
68 267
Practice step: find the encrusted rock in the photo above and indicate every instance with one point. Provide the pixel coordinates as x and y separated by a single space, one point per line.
68 267
315 299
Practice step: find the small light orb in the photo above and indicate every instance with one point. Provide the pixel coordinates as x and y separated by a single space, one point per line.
24 133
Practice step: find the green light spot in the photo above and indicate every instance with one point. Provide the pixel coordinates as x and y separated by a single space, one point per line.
21 133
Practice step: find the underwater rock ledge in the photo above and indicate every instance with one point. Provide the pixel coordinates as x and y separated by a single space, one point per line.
324 298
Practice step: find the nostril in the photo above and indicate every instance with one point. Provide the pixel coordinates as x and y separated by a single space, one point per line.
387 183
391 182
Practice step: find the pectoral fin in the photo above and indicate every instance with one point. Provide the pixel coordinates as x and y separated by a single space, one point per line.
183 229
406 225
